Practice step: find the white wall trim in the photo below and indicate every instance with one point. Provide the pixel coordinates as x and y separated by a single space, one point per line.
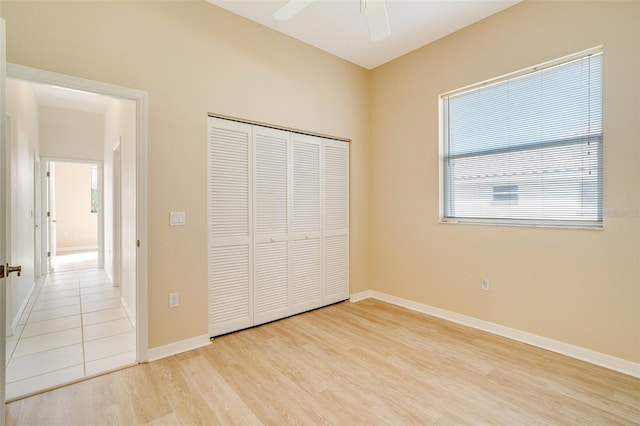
140 97
77 248
21 309
127 309
179 347
356 297
577 352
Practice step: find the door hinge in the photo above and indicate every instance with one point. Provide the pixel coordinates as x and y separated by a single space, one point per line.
48 173
48 214
1 271
48 254
137 243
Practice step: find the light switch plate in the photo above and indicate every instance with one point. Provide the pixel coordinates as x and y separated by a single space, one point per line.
174 300
177 219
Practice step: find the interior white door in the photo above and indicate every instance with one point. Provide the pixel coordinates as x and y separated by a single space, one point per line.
230 229
307 227
271 218
37 218
336 221
3 231
278 224
52 212
117 217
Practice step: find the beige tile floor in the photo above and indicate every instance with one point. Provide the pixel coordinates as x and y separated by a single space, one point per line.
74 326
72 261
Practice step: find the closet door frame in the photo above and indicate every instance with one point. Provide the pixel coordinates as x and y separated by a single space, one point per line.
276 254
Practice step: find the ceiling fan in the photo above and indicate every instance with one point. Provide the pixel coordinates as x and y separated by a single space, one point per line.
375 12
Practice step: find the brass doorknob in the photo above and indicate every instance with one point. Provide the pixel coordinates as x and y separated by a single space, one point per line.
11 269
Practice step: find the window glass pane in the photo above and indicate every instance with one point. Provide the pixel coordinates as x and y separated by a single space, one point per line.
527 149
94 188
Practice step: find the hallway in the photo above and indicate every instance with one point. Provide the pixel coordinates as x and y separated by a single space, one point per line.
74 326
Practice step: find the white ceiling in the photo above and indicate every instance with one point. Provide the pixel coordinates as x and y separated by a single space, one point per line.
60 97
338 26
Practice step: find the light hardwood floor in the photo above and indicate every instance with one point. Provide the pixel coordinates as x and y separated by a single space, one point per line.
362 363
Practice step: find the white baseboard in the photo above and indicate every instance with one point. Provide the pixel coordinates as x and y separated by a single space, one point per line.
356 297
125 305
21 309
577 352
106 271
178 347
76 248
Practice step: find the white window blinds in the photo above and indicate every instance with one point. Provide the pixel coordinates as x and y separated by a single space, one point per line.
526 149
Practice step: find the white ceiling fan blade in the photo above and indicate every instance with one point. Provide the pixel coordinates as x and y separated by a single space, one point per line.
291 9
377 19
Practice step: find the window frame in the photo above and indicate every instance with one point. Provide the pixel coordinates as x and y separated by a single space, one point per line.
529 223
95 188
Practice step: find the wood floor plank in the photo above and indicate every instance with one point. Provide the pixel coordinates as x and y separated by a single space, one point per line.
225 404
348 364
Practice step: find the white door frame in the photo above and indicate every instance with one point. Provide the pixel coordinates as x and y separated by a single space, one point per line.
3 210
49 165
117 217
50 212
37 218
140 98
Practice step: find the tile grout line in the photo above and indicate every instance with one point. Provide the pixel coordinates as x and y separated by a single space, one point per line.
50 296
26 321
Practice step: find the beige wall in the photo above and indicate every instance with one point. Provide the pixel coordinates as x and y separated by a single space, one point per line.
76 226
71 135
193 58
578 286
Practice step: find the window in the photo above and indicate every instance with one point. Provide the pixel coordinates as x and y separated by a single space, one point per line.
505 193
526 149
94 188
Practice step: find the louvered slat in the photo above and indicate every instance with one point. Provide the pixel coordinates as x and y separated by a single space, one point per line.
271 182
229 284
306 186
336 209
336 222
307 274
229 192
228 183
271 280
336 267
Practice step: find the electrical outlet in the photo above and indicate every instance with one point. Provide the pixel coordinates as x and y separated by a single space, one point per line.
177 219
486 284
174 300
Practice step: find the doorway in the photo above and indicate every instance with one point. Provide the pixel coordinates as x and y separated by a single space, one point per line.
90 293
73 213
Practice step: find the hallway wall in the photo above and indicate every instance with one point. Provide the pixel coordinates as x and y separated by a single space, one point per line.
71 135
119 128
76 225
23 146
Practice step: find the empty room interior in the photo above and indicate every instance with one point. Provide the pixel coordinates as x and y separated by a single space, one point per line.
328 220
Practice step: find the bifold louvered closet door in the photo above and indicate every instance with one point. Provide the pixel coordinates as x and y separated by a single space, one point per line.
278 212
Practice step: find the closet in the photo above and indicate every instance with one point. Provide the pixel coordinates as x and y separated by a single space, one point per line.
278 223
